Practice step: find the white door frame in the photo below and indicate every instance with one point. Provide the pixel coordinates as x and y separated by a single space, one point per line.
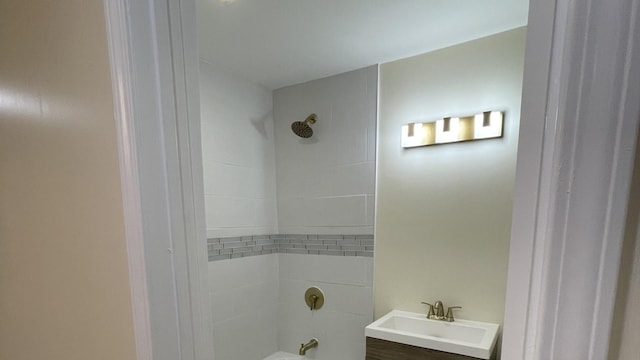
580 115
577 140
152 45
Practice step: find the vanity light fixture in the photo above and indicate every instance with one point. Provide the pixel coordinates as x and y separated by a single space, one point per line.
448 130
485 125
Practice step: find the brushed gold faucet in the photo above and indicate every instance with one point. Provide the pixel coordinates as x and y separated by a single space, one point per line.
311 344
436 311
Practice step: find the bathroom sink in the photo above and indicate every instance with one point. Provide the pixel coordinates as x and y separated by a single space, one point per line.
463 337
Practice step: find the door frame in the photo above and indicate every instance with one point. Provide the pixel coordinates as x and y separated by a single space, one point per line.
154 69
577 144
572 179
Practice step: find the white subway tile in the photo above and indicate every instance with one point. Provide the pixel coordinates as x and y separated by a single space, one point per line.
351 299
371 206
323 268
221 306
258 296
368 271
371 144
341 180
337 211
294 327
348 147
291 211
222 277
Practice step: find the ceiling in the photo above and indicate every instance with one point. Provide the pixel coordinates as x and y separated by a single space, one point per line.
283 42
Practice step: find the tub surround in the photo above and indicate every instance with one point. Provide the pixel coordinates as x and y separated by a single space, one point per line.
325 184
262 298
347 283
244 297
258 270
238 153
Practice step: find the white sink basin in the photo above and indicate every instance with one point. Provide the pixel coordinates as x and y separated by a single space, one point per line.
463 337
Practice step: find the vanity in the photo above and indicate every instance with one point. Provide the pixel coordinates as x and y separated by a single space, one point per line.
412 336
388 350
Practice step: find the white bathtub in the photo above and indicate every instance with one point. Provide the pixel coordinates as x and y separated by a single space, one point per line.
281 355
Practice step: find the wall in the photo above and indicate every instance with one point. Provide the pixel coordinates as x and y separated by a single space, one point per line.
260 299
326 183
238 155
239 180
257 282
326 186
444 212
626 320
244 299
339 325
63 265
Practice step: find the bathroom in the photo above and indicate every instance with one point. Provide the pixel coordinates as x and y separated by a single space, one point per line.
104 244
285 213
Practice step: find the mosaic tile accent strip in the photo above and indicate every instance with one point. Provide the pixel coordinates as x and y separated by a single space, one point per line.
337 245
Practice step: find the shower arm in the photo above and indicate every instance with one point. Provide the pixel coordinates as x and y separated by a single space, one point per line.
311 119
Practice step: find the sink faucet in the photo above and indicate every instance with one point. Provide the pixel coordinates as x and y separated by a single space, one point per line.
439 308
304 347
436 311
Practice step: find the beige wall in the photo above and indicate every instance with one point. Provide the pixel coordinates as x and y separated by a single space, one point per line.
626 321
444 212
63 268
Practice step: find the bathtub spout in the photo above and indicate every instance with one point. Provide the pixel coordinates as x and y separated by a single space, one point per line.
304 347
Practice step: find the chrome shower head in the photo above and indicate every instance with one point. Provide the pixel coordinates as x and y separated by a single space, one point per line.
302 128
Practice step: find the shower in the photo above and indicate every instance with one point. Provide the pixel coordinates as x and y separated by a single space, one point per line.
302 128
263 251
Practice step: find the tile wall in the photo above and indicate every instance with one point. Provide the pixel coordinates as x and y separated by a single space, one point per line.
325 185
347 283
238 154
261 299
243 246
244 298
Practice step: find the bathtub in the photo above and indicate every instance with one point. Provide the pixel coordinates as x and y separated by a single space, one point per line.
281 355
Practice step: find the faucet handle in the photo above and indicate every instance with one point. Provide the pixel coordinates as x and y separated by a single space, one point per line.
431 313
439 307
449 316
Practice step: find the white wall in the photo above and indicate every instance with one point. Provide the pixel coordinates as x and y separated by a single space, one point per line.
339 325
326 183
444 212
238 155
244 299
64 279
239 180
325 186
260 299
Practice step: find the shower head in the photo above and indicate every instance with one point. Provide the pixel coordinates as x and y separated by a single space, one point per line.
302 128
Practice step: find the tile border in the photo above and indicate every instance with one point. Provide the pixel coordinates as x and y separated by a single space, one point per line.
225 248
